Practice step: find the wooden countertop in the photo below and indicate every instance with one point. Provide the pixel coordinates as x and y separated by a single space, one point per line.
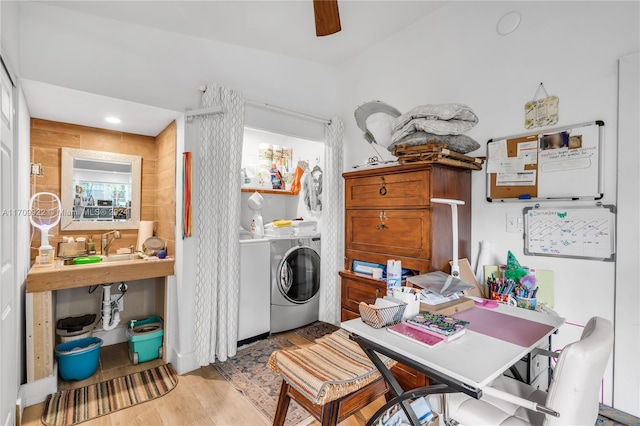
47 278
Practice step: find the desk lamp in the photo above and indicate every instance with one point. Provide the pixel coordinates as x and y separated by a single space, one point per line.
438 281
455 268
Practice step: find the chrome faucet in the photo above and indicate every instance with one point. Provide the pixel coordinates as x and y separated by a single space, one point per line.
106 243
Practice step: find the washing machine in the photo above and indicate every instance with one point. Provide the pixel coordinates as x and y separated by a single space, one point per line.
295 282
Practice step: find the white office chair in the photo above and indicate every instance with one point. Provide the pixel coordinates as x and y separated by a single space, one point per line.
573 393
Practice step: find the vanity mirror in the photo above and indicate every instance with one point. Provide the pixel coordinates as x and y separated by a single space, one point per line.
100 190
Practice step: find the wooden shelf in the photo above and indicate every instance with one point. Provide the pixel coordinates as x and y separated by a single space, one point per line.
48 278
268 191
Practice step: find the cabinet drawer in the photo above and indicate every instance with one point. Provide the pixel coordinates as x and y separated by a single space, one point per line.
408 377
393 232
388 190
354 292
346 315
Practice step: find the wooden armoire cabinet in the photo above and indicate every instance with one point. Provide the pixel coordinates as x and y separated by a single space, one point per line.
389 215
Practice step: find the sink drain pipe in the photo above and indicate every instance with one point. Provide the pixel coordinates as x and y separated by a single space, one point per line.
110 313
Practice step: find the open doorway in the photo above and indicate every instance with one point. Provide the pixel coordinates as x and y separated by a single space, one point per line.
263 152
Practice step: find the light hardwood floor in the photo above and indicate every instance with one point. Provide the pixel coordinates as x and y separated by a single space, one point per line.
202 397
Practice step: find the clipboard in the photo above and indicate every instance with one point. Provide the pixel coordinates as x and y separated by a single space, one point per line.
563 163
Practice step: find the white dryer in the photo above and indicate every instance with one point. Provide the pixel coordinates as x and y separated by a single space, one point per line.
295 282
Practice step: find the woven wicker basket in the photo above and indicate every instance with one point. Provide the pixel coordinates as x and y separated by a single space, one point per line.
378 317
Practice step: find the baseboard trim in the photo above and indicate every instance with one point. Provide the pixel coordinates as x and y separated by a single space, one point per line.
37 391
183 363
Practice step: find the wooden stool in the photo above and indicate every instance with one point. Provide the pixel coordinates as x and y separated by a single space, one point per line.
331 379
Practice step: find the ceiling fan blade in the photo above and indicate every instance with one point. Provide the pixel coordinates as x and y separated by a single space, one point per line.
327 17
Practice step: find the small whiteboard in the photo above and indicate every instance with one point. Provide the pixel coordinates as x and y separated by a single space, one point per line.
561 163
578 232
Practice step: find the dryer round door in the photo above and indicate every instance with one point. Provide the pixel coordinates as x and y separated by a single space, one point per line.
298 274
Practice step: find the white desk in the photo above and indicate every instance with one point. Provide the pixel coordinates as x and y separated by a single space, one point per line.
464 365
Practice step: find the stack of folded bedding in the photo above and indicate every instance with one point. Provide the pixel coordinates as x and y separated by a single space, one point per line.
279 228
443 123
305 228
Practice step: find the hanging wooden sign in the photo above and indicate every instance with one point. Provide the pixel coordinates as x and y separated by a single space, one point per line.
541 112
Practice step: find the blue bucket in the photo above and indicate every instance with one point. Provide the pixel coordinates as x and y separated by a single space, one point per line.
78 359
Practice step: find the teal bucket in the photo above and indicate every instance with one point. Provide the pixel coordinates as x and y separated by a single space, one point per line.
145 339
78 359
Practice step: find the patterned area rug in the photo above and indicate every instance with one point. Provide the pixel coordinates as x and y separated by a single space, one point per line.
317 329
249 374
72 406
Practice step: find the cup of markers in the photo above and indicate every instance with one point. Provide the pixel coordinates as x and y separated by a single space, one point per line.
526 292
526 302
500 289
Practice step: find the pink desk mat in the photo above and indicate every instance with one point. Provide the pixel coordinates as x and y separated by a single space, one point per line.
511 329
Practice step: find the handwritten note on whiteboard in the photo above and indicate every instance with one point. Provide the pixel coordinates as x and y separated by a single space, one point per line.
581 232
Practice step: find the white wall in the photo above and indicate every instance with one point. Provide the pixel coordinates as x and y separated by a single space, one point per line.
9 26
455 55
160 68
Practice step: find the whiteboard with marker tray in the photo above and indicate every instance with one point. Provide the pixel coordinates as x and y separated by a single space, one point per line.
578 232
564 163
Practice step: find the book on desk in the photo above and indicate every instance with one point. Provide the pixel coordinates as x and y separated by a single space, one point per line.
416 335
448 328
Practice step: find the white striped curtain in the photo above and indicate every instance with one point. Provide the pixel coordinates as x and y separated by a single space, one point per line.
332 248
218 265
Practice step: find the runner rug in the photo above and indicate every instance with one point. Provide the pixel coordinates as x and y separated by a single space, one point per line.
69 407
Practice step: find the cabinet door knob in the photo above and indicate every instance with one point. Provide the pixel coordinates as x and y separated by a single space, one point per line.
383 188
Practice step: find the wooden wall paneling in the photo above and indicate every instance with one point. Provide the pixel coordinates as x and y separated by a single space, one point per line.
165 186
47 140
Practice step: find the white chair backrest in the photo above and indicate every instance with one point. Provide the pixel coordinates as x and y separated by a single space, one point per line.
578 374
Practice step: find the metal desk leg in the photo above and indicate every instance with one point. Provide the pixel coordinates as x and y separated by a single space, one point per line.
413 394
444 401
395 387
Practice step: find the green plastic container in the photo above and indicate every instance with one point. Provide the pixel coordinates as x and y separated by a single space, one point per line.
86 260
145 339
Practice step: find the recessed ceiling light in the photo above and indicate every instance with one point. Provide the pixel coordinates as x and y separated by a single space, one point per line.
508 23
113 120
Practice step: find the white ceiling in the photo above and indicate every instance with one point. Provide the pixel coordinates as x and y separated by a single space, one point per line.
283 27
66 105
